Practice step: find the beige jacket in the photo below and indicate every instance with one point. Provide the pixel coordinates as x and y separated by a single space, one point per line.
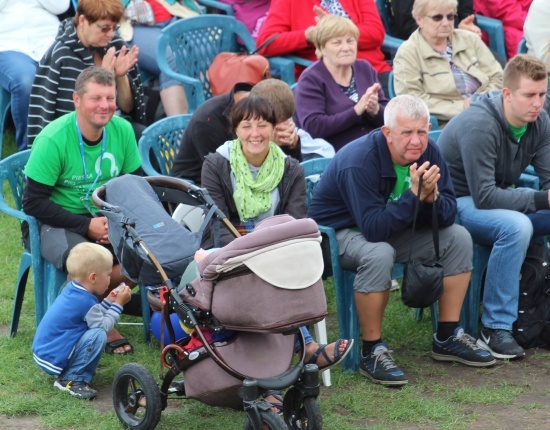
419 70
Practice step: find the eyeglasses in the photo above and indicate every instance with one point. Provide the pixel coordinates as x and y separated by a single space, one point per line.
439 17
107 28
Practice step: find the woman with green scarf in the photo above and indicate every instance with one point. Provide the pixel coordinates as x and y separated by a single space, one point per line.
249 179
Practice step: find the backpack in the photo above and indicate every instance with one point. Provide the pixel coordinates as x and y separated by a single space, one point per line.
532 328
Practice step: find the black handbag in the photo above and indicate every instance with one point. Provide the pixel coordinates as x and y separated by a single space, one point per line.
423 280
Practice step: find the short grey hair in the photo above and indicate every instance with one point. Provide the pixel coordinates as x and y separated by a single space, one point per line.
422 8
406 105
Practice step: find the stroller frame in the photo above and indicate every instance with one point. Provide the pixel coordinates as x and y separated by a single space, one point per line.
139 400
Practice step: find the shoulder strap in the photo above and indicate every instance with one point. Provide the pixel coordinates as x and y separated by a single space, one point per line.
435 225
263 45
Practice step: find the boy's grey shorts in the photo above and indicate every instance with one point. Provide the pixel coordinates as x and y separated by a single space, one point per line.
373 261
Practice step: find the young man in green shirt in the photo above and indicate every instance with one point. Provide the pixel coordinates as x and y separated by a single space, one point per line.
487 147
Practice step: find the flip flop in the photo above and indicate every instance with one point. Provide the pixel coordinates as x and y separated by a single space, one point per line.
337 356
111 346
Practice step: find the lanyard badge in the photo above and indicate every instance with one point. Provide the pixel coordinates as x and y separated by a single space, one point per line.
86 199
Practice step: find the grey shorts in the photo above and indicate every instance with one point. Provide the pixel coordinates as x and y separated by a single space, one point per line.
373 261
56 243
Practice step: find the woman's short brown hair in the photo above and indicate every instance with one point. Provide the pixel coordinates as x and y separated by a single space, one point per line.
252 107
331 26
95 10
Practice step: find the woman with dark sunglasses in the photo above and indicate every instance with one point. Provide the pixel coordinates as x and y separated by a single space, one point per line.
89 39
443 65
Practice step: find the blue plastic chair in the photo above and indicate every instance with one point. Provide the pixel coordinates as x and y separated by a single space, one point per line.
348 321
391 44
160 142
5 101
495 31
218 6
47 279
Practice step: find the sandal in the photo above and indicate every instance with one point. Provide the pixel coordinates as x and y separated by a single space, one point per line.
337 356
111 346
276 406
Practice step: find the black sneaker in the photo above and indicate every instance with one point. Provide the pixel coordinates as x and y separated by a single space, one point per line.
380 368
461 347
500 343
75 388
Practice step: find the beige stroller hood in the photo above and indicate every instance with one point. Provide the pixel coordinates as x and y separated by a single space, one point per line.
268 280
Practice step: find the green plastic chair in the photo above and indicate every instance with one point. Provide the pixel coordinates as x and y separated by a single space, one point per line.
160 143
195 41
5 101
48 280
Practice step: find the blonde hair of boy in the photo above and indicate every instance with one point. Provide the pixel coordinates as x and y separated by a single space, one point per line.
86 258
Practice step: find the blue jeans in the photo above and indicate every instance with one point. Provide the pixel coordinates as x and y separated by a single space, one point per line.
509 233
16 76
86 355
307 338
145 38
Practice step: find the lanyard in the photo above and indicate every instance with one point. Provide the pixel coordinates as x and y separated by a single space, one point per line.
103 145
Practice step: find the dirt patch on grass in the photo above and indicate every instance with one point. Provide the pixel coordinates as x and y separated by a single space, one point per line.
19 423
529 409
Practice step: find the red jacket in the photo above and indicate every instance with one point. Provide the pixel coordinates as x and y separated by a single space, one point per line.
512 13
290 18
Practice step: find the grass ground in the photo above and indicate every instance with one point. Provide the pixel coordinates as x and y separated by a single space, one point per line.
439 396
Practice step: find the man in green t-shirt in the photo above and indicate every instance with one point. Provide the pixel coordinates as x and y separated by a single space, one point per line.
70 158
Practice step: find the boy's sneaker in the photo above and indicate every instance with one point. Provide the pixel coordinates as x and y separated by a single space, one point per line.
75 388
500 343
380 368
461 347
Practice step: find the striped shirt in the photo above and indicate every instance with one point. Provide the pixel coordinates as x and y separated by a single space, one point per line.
54 82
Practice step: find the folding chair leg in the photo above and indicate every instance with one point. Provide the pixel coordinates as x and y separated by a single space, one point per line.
146 314
22 278
321 336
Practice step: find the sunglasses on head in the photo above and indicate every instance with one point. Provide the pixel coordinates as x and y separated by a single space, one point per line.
439 17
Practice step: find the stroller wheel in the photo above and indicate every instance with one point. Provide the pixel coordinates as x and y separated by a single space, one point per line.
301 413
136 397
270 421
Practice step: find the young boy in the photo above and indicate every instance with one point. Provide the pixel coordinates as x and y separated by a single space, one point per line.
72 335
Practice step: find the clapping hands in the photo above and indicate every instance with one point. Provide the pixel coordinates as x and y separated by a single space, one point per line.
369 101
121 63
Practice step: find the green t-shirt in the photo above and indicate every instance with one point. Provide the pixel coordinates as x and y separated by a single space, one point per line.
517 132
402 184
56 160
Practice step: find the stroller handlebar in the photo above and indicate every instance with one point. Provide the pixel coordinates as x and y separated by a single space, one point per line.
98 197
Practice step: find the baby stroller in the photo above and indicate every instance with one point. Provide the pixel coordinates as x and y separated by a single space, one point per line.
245 309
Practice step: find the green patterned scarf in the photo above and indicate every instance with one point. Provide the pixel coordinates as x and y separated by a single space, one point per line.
253 197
